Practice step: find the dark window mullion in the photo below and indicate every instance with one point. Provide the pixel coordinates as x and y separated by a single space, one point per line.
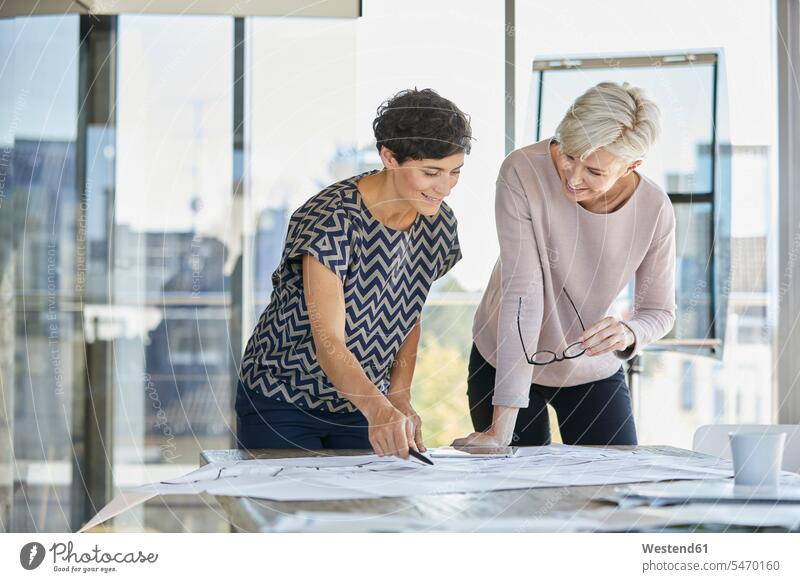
92 479
238 275
716 329
706 198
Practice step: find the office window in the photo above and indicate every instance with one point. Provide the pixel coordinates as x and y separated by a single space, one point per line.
710 292
314 89
458 50
40 347
6 273
301 114
160 232
174 251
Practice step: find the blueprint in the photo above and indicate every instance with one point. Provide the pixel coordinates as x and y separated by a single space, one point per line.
371 476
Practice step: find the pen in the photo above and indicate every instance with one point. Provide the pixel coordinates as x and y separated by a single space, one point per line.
420 457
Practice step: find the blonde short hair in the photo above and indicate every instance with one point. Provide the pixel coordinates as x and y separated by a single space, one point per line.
619 118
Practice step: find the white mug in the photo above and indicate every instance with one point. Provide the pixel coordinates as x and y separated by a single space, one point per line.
757 457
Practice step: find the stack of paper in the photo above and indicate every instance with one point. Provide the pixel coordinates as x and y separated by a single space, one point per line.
370 476
712 491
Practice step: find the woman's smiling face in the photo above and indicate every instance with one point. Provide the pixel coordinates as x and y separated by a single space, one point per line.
592 178
424 184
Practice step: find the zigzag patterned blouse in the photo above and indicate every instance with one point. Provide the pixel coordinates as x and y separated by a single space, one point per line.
386 275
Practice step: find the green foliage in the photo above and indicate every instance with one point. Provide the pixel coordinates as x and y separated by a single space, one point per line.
449 319
439 391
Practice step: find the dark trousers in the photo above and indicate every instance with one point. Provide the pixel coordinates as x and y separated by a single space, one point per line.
266 423
598 413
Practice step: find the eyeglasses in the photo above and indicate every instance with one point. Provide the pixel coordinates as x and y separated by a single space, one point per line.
544 357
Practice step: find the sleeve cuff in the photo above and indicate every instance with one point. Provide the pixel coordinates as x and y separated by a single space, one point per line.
510 401
449 263
632 349
335 264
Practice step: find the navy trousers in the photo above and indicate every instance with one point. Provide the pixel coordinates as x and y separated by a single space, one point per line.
266 423
598 413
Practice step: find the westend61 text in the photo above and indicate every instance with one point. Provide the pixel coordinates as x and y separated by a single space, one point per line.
673 549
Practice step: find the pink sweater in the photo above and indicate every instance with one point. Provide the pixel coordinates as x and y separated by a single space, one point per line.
549 243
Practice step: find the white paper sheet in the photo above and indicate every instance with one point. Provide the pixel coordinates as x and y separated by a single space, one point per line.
469 452
744 514
122 502
555 466
320 521
716 491
371 476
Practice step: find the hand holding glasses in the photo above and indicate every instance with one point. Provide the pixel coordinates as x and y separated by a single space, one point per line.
544 357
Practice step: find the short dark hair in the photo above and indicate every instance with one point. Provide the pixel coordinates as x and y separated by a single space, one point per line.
418 124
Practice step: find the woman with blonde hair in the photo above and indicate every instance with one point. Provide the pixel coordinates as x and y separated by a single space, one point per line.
576 222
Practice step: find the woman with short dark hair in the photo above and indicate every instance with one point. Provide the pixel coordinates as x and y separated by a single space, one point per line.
330 362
